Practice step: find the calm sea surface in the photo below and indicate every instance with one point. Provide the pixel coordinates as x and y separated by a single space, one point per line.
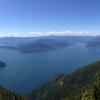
27 71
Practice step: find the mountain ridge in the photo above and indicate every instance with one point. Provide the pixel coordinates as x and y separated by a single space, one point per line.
82 84
68 87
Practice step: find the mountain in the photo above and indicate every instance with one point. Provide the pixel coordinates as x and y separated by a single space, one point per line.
73 39
42 45
83 84
39 45
9 41
9 95
96 38
94 43
21 40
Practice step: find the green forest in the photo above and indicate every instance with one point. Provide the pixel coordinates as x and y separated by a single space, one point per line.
83 84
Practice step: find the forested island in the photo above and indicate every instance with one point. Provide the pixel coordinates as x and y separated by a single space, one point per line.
83 84
40 45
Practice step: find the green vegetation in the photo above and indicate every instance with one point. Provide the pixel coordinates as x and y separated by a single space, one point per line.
8 95
83 84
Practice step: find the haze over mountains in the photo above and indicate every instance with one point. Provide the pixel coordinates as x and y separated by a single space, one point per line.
94 43
46 43
39 45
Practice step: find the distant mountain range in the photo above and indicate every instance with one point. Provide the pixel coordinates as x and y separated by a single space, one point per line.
94 43
19 40
15 40
39 45
83 84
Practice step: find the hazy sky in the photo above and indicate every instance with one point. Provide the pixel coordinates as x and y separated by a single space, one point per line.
49 15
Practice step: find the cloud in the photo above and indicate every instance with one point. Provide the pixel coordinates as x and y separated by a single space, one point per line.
51 33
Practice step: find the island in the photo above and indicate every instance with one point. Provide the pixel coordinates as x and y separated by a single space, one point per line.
2 64
39 45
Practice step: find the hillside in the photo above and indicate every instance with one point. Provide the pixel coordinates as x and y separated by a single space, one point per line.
8 95
82 84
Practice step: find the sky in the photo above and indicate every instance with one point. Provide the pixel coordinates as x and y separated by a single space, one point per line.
36 17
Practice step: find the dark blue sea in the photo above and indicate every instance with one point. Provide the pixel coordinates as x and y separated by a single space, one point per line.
27 71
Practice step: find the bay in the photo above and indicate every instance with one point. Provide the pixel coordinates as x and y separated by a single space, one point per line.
26 71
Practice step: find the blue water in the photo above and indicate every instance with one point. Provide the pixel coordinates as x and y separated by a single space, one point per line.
27 71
